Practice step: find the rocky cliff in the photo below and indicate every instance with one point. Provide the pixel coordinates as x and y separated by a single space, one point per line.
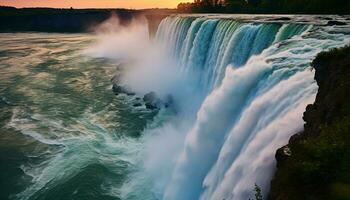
316 163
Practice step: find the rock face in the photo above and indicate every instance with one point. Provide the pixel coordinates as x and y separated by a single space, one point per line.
316 163
152 101
118 89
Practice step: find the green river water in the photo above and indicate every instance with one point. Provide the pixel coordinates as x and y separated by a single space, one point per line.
63 133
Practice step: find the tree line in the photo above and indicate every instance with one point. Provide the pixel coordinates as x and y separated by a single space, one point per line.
268 6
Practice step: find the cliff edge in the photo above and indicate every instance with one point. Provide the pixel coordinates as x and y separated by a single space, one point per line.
316 163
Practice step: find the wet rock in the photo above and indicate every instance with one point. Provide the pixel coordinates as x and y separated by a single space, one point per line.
137 105
119 89
294 138
315 156
130 93
150 97
151 106
283 153
335 23
152 101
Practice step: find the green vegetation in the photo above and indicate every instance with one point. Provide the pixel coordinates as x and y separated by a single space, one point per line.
257 193
268 6
319 165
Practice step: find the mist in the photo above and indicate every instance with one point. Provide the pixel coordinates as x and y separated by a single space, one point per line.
235 86
144 63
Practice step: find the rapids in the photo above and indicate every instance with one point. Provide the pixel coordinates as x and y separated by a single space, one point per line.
240 85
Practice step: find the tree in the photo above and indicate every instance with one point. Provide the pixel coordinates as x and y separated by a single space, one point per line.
257 191
258 195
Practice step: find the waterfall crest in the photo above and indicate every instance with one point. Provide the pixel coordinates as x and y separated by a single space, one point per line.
254 81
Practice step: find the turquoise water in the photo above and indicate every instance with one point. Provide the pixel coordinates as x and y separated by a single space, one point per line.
238 89
63 133
253 79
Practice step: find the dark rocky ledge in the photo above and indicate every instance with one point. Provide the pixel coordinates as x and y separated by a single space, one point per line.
150 100
316 162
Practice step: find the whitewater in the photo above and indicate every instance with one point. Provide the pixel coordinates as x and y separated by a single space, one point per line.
247 85
239 85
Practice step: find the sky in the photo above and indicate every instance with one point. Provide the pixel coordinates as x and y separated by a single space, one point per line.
135 4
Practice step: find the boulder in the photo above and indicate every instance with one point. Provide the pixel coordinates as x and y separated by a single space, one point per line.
151 106
137 105
130 93
118 89
150 97
283 153
152 101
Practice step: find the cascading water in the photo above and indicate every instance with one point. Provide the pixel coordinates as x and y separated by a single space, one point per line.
254 81
239 86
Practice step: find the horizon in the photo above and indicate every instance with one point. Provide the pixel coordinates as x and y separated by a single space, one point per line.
89 4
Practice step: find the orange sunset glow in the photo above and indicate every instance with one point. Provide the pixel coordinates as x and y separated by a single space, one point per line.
135 4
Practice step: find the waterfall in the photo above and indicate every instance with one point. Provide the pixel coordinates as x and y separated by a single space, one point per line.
253 82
